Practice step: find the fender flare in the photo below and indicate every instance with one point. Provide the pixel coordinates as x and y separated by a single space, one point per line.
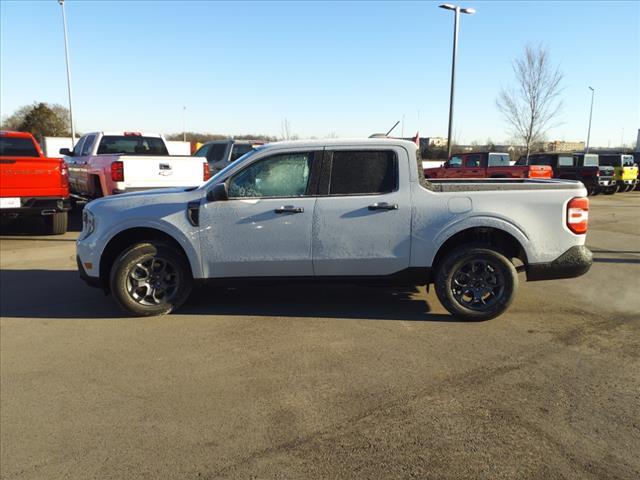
193 255
487 221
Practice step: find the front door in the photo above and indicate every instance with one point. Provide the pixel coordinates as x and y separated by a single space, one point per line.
362 220
264 228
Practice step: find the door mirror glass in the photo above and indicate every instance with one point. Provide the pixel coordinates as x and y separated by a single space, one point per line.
218 193
66 151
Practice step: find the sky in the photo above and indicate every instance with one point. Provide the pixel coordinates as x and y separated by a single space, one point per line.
346 69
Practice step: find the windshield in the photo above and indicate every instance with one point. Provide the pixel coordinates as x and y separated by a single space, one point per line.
17 147
222 173
132 145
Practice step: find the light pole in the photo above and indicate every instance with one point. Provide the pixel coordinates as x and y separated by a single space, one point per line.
457 11
66 54
590 114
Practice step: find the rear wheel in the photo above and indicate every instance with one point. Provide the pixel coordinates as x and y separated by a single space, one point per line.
151 278
56 224
476 283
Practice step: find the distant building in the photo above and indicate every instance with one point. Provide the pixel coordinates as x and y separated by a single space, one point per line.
437 142
561 146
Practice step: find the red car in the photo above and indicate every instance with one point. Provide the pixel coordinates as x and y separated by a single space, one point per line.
31 184
486 165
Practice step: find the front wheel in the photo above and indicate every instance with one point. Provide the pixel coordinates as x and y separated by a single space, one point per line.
476 283
151 278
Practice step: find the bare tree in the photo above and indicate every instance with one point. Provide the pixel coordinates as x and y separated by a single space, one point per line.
534 103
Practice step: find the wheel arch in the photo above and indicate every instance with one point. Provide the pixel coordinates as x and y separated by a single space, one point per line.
129 236
497 238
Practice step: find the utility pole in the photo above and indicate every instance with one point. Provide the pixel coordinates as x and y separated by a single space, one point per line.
184 130
66 54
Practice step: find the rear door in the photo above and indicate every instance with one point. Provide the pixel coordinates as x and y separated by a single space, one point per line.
362 220
473 166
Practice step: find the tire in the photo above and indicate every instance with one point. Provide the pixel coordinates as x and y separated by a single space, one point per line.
610 191
497 283
56 224
142 263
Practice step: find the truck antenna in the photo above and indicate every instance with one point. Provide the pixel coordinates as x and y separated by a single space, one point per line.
394 126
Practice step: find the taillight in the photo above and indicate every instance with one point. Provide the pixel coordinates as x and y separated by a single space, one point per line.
117 171
206 173
64 175
598 173
578 215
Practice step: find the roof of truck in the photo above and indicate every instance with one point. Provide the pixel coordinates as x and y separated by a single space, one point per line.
10 133
337 142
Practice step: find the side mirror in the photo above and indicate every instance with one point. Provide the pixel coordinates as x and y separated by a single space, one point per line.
445 164
218 193
66 152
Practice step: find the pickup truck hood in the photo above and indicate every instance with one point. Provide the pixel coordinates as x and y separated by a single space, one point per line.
160 196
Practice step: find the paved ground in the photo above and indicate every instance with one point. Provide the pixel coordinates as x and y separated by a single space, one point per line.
339 382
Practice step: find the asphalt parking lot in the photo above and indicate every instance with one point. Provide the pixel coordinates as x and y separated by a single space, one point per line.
322 382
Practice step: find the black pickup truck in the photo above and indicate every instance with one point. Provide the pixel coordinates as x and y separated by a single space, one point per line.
576 166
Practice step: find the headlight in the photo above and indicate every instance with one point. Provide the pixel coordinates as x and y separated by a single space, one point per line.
88 223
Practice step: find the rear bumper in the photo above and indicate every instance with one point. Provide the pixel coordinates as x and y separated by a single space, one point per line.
40 206
574 262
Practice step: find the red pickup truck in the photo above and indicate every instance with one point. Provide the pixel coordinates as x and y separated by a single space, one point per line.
486 165
31 184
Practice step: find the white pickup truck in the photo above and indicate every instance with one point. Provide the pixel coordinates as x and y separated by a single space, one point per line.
104 163
336 210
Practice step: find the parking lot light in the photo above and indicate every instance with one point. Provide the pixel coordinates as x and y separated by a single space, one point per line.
457 10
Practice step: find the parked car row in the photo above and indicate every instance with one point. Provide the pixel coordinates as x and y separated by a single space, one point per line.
600 173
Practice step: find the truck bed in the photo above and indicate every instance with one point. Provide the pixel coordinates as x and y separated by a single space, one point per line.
497 184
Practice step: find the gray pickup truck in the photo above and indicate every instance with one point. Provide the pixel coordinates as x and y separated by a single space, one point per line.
336 211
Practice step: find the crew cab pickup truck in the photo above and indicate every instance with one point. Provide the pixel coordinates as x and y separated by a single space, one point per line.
220 153
336 210
103 164
625 169
31 184
581 167
485 165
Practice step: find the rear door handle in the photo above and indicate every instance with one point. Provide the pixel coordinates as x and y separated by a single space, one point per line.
289 209
383 206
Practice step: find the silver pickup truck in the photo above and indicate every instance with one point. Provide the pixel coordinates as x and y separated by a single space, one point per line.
335 210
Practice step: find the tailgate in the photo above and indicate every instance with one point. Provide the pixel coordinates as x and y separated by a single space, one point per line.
161 171
540 171
32 177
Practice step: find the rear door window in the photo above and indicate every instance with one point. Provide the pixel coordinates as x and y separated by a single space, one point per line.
363 172
473 160
217 151
87 147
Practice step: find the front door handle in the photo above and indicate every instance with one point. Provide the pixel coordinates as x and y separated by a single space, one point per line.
383 206
289 209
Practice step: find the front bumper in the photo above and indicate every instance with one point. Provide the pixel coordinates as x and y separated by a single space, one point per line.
574 262
91 281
